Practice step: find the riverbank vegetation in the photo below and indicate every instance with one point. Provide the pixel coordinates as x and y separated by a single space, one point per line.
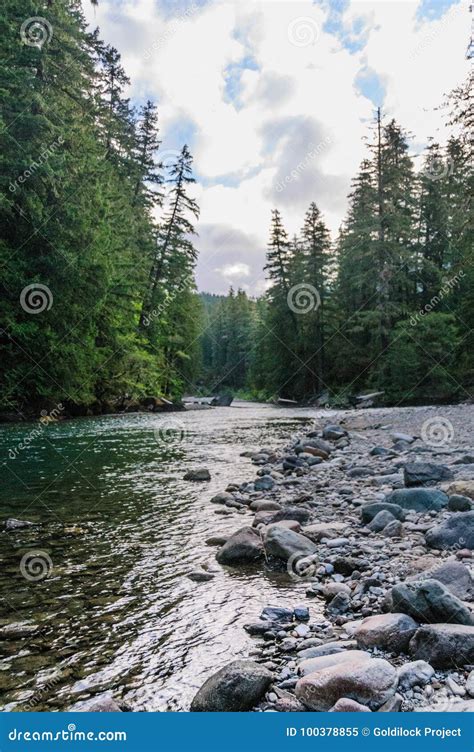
99 305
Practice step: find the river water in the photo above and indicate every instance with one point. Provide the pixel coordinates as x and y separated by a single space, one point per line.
117 531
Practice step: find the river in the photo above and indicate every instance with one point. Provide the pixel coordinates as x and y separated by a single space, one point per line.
119 529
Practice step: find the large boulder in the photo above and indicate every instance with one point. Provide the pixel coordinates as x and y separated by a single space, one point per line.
237 687
391 632
425 474
455 532
429 601
243 547
453 574
284 543
444 645
370 683
418 499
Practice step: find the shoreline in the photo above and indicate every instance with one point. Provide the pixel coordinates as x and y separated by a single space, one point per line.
311 517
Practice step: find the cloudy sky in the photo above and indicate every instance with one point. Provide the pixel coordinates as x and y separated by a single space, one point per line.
274 99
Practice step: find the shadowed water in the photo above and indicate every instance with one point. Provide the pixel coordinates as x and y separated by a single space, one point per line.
122 529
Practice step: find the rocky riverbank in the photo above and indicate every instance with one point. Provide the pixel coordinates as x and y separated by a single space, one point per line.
375 513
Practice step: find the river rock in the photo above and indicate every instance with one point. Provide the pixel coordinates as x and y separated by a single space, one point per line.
369 511
444 645
324 530
239 686
277 613
380 451
381 520
470 684
333 432
370 683
103 703
457 503
291 513
430 601
199 575
418 499
453 574
345 705
264 505
345 565
463 487
425 474
329 648
393 529
310 665
243 547
200 474
415 674
457 531
391 632
340 604
265 483
13 524
405 437
283 543
222 498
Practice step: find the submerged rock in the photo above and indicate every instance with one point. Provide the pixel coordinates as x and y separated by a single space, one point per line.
200 474
13 524
239 686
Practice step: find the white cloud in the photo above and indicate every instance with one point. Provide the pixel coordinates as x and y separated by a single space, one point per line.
256 85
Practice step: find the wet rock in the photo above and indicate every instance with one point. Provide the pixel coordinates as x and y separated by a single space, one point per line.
370 683
103 703
277 613
381 520
243 547
429 601
457 531
283 543
301 613
418 499
444 645
391 632
415 673
265 483
345 705
13 524
239 686
310 665
198 475
217 540
425 474
346 565
457 503
369 511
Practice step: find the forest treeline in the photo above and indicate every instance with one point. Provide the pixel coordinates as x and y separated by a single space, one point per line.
389 306
98 298
99 306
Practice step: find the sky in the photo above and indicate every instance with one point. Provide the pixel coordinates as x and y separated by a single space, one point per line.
274 99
